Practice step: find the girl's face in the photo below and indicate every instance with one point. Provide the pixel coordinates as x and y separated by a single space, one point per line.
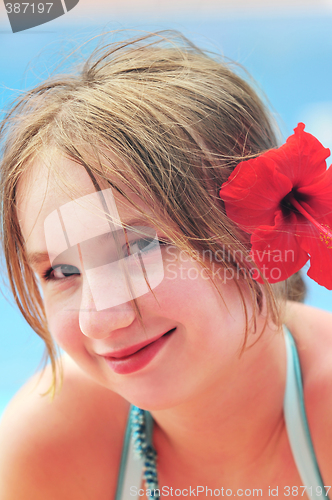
190 337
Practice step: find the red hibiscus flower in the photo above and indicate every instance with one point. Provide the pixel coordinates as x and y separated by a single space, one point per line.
283 198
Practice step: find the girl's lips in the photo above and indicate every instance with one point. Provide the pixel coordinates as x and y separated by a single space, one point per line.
135 361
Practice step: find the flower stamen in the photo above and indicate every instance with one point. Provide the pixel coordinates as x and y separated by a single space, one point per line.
327 234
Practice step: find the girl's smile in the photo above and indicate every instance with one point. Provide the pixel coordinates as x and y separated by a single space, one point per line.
136 357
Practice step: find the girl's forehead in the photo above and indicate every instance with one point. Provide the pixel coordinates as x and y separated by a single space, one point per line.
41 192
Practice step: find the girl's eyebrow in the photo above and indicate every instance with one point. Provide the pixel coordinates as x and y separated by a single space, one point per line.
37 258
137 221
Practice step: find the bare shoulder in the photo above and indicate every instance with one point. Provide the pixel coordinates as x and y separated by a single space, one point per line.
312 329
68 448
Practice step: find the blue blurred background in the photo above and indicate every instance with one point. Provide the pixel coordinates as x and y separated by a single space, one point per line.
287 51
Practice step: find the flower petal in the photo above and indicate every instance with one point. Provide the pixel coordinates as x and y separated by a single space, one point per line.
276 249
319 246
317 198
253 193
301 158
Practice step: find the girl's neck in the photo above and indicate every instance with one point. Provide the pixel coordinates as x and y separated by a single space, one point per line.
237 420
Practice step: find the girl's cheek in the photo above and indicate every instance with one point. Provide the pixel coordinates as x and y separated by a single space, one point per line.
65 331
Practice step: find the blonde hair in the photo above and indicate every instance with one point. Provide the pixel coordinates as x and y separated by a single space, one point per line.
177 117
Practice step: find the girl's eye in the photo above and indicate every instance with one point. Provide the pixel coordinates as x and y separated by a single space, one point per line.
142 245
61 272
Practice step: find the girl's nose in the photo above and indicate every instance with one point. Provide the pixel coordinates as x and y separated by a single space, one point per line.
100 324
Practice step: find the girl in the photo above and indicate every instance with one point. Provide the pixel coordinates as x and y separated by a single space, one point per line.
153 231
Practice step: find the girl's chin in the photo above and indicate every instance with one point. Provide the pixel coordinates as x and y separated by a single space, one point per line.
150 399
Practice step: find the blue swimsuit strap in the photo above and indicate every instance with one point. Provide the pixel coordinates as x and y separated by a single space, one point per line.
130 473
297 424
131 467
